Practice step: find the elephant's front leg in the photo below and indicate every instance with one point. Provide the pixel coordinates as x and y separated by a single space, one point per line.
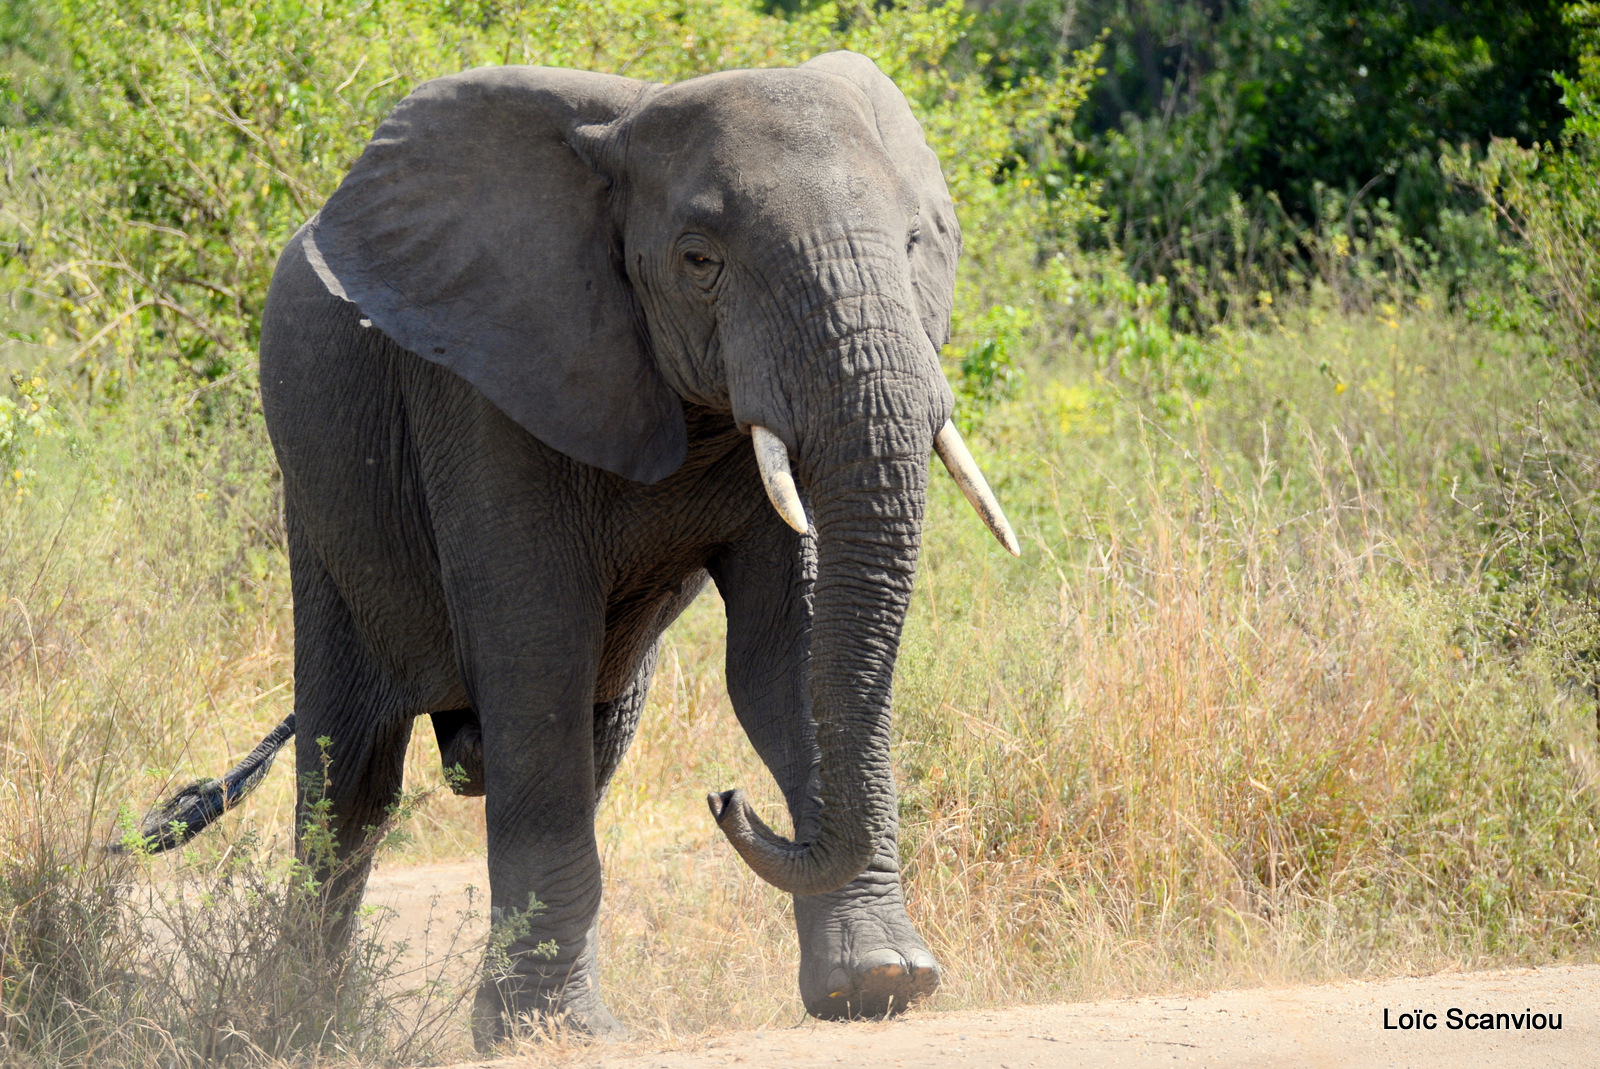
529 641
860 956
544 877
536 709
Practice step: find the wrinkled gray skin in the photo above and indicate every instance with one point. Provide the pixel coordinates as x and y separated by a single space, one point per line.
509 372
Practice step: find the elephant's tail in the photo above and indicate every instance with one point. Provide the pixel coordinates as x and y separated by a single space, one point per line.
185 814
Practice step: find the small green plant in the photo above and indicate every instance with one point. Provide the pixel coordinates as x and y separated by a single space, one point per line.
507 927
26 418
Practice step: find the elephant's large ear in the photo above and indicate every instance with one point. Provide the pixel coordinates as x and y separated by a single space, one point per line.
933 258
472 233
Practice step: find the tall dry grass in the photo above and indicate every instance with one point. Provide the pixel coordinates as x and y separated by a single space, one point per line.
1299 685
1291 682
145 636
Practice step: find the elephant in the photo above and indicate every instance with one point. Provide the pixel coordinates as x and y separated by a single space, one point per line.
562 348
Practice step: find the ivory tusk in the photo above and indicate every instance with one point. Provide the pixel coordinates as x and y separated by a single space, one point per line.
772 457
953 451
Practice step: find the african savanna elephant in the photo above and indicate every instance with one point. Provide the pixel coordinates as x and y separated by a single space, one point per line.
562 347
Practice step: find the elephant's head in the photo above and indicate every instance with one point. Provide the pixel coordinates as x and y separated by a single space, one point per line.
592 251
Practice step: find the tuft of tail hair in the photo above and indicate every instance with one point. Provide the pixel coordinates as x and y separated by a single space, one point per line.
186 813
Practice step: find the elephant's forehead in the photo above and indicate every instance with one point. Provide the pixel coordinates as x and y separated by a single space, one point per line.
759 134
782 114
800 101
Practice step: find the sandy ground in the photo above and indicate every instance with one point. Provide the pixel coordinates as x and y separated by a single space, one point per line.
1335 1025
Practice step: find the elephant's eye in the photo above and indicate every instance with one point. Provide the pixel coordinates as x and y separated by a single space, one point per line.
703 269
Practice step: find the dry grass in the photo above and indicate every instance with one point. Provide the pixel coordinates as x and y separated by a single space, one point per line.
1268 708
1288 685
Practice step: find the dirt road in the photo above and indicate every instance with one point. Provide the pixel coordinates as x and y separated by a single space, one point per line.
1335 1025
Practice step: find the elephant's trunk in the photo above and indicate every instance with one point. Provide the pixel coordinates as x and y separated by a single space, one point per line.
867 487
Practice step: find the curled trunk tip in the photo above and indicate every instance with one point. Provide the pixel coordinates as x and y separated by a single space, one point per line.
797 868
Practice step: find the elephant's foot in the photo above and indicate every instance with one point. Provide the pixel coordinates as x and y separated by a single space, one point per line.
504 1008
859 954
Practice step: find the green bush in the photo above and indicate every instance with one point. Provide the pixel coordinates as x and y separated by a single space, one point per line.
24 420
1548 197
1217 131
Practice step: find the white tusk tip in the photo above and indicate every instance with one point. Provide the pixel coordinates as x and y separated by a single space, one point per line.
772 457
964 470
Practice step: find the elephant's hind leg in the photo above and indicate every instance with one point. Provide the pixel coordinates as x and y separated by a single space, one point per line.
351 732
617 721
460 739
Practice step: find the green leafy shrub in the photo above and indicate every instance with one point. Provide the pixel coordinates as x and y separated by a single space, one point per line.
987 365
1216 131
1548 198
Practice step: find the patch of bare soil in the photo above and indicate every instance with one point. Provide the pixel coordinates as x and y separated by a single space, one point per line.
439 911
1335 1025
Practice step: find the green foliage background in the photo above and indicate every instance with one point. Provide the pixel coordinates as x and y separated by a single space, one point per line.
159 154
1223 130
